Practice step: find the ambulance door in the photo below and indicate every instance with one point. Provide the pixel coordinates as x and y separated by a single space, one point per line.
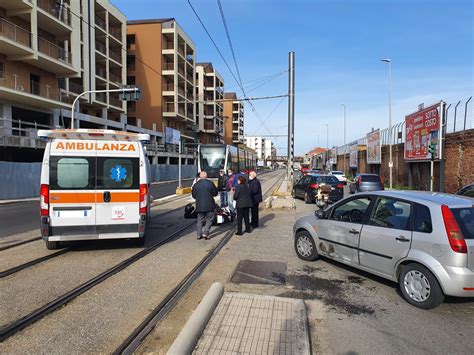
118 186
72 183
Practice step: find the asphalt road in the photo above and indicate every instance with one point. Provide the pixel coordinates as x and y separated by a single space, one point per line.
22 217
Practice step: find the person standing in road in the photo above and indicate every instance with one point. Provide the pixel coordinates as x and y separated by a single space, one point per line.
203 192
243 204
256 196
231 184
222 187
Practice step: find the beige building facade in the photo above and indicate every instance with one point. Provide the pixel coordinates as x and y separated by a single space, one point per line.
210 105
234 119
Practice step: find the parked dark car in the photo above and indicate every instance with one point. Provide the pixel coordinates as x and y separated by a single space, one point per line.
307 186
366 183
467 191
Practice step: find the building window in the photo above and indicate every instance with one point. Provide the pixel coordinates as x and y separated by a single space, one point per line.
2 70
130 40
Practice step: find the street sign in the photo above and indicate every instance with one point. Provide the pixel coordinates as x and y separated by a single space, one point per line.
390 164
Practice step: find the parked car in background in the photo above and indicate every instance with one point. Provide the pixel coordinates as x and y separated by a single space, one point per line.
366 183
308 185
340 176
421 240
304 168
467 191
315 171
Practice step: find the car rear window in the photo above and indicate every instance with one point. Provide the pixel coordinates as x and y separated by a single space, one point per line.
72 173
465 219
117 173
370 178
337 173
329 179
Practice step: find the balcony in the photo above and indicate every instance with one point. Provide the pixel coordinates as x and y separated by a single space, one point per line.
115 102
168 107
101 97
114 78
100 22
168 66
116 55
14 40
101 73
100 47
53 17
116 33
20 89
53 58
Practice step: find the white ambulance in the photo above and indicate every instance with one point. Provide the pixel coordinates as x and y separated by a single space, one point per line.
94 185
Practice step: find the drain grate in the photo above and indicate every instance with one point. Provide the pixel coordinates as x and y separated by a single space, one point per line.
260 272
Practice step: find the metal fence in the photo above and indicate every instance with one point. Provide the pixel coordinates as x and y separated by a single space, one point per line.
458 117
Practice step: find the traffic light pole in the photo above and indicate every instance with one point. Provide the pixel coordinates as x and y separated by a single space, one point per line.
124 90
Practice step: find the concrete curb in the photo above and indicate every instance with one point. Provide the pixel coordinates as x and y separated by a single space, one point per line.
192 330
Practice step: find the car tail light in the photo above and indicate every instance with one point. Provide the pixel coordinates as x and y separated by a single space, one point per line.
381 180
455 236
44 200
143 198
314 186
340 186
360 179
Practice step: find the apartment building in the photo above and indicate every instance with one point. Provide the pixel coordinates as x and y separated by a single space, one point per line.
50 51
161 61
265 149
210 87
234 119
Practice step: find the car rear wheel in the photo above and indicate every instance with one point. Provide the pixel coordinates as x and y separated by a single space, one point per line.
52 245
305 247
307 199
419 287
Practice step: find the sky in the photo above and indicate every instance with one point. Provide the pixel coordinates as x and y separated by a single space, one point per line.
338 45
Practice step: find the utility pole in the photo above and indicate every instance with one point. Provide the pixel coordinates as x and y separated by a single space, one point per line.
390 163
344 156
291 116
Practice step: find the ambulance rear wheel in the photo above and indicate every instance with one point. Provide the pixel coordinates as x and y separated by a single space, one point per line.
52 245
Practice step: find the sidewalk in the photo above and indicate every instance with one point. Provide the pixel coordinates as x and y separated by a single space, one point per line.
252 324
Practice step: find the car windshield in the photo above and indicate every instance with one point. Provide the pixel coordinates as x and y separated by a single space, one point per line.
370 178
465 219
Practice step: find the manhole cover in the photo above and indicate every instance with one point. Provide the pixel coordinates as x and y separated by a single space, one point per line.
260 272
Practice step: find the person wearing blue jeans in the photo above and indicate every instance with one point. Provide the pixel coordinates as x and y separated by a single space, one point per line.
222 187
231 183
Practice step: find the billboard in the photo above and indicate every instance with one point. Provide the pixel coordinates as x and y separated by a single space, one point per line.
421 129
374 148
353 156
172 136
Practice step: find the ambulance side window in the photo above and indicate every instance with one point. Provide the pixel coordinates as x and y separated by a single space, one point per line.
117 173
72 173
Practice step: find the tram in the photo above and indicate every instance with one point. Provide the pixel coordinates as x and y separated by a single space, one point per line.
216 157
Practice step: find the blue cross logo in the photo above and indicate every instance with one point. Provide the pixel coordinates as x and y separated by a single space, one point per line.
118 173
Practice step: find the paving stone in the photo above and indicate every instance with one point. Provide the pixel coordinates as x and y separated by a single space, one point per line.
255 324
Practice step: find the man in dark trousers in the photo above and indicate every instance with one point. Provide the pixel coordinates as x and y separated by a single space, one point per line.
222 187
243 204
203 192
256 196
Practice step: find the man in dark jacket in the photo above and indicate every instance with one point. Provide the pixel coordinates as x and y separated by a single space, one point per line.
203 192
243 204
256 196
222 186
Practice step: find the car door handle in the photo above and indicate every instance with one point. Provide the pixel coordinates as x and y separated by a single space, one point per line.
353 231
107 196
402 239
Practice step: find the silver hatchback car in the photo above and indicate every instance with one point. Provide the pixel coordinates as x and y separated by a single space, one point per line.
422 240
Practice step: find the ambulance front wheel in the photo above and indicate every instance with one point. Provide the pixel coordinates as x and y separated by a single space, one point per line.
52 245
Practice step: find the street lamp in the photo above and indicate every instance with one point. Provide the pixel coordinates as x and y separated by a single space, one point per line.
344 157
390 163
327 143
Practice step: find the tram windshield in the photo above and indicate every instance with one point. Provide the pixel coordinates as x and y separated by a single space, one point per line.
212 160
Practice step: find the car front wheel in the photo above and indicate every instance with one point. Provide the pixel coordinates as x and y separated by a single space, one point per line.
305 247
419 287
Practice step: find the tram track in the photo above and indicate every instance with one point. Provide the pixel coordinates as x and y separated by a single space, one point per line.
25 321
135 339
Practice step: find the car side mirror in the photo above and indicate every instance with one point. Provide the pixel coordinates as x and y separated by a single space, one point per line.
321 214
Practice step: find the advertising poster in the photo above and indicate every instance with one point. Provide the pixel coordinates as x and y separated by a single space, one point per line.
374 148
353 156
172 136
421 129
